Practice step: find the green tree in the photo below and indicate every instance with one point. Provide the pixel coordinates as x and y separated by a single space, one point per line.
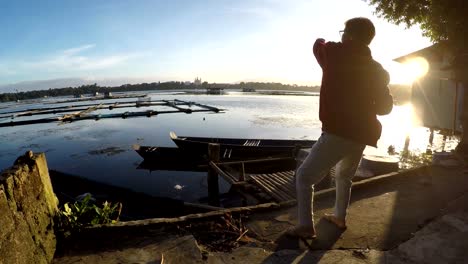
442 21
438 19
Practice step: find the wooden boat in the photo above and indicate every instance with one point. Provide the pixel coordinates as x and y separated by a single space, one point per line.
164 154
173 159
242 149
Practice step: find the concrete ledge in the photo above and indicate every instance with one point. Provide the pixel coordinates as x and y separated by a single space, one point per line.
157 222
28 206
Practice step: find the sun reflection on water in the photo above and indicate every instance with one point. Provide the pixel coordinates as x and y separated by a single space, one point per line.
403 124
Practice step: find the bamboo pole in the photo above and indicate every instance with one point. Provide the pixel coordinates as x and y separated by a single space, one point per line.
72 108
215 109
213 183
97 99
79 108
92 117
229 178
173 104
242 172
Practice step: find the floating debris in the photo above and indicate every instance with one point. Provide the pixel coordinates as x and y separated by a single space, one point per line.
179 187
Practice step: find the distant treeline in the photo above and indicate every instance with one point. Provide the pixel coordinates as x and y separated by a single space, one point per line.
94 88
401 93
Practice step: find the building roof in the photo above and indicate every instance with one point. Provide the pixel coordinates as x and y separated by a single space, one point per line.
432 53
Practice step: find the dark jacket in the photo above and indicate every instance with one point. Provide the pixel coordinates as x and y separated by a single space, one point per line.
354 90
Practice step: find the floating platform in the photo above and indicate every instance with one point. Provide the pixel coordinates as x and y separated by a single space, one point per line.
83 112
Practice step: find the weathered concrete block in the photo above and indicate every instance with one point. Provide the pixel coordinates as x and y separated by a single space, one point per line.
6 218
27 208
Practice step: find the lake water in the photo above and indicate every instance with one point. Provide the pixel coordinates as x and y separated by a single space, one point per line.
102 150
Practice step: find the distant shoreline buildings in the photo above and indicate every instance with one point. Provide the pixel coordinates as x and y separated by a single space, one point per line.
198 81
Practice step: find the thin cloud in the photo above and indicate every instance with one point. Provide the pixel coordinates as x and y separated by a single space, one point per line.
73 60
78 49
107 62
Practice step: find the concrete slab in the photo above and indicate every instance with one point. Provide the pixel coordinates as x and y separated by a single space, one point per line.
287 256
382 214
442 241
172 250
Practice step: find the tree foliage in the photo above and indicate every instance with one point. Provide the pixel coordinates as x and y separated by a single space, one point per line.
440 20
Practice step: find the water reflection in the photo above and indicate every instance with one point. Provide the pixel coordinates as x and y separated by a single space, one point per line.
402 127
102 150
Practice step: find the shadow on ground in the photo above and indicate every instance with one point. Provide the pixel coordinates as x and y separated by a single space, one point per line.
382 214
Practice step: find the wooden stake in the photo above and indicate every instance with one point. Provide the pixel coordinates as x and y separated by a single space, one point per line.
213 183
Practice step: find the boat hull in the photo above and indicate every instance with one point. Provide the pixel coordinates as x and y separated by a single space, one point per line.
241 149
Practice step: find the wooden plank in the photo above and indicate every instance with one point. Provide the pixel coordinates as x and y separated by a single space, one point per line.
228 177
282 184
283 177
273 188
289 175
269 187
288 184
267 190
252 143
253 161
272 178
279 186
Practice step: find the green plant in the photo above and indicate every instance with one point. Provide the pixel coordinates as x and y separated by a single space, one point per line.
411 159
74 216
106 214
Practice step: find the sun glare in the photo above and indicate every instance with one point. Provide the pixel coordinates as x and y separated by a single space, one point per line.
414 69
401 123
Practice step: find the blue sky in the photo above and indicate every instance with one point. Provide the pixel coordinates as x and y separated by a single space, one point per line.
218 40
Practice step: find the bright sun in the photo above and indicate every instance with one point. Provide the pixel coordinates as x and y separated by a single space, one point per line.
413 69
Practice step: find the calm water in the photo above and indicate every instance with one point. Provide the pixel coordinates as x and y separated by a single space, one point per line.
101 150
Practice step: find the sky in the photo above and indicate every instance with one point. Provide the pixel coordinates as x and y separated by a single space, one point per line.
220 41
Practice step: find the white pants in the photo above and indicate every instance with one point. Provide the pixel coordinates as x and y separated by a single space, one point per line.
328 151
